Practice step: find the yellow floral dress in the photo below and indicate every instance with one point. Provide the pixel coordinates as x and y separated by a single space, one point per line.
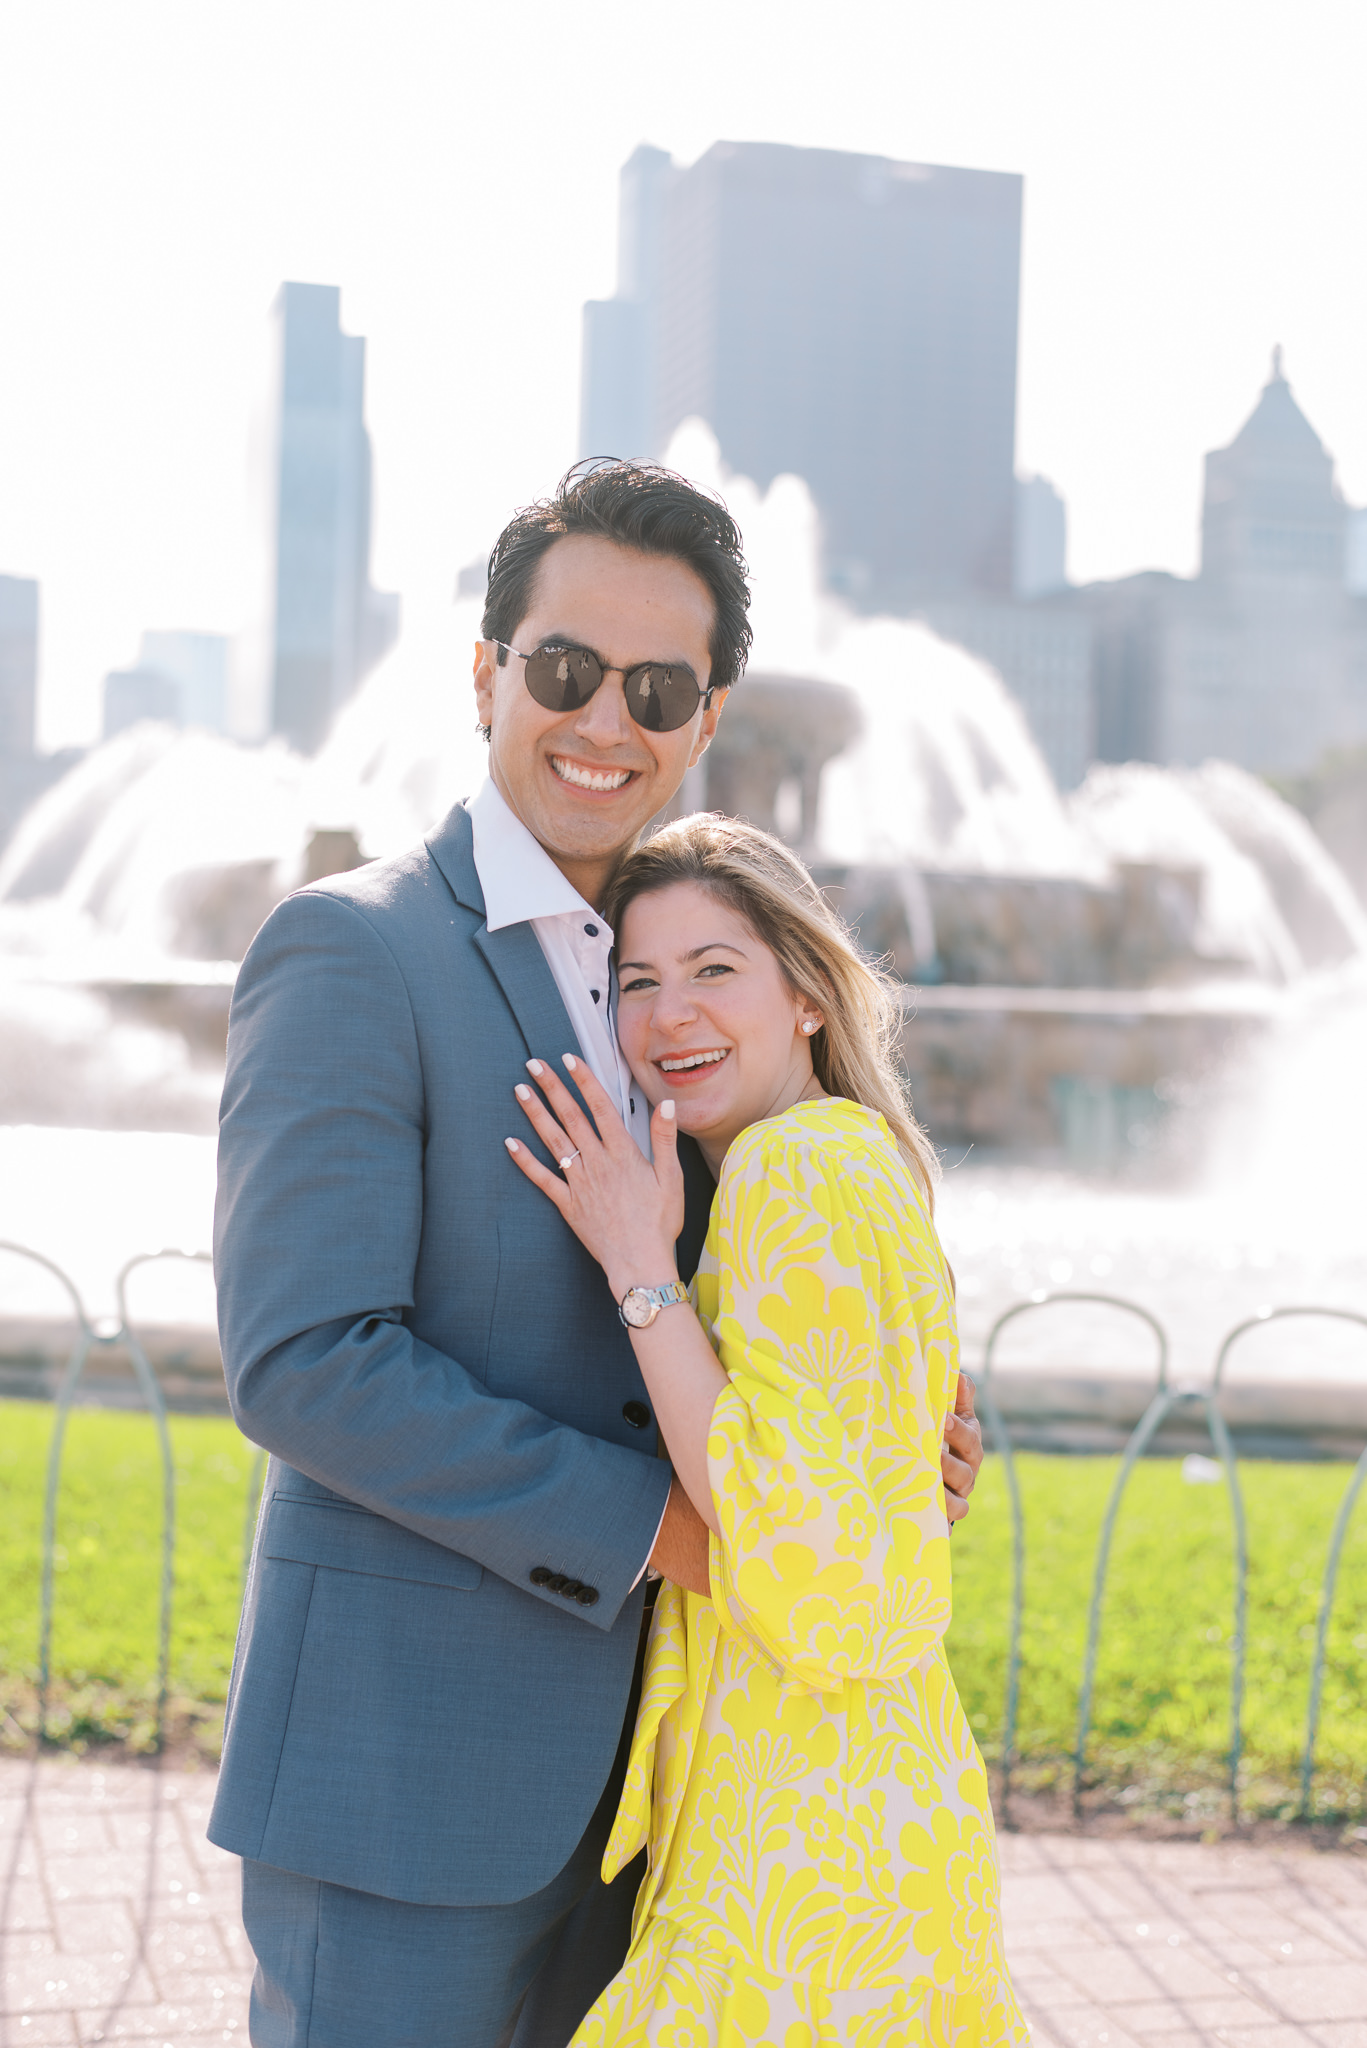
822 1864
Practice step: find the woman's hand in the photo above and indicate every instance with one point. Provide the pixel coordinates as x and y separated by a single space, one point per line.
625 1210
628 1213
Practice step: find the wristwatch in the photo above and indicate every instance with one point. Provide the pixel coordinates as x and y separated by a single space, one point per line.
639 1306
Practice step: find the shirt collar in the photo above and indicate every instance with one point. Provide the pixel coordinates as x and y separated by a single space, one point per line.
519 879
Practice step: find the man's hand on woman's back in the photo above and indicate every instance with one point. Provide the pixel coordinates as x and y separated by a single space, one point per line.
962 1451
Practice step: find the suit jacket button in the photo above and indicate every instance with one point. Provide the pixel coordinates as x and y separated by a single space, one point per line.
570 1590
554 1581
636 1413
587 1595
539 1574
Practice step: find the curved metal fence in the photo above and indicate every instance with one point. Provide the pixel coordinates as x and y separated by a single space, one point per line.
1329 1584
1166 1399
88 1339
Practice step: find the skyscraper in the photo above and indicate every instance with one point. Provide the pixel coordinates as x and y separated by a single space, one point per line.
323 626
848 318
198 665
18 667
1041 566
24 772
618 389
133 695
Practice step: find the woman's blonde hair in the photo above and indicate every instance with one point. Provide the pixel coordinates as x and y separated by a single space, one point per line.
855 1052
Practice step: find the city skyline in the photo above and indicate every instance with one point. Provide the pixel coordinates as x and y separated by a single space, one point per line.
1191 199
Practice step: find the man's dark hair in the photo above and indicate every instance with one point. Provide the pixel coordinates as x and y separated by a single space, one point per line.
639 505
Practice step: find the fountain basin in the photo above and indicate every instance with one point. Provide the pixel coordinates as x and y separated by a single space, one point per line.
189 997
1087 1074
185 1357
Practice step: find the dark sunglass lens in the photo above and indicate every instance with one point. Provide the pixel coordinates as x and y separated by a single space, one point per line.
562 678
662 699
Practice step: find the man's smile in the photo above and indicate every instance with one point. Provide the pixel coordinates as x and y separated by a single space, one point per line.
599 779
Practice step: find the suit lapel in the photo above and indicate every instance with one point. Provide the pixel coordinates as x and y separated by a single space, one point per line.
519 967
514 953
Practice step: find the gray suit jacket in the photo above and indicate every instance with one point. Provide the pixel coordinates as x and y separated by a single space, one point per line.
439 1630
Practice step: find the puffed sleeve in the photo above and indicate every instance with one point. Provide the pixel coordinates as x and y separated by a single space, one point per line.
834 1320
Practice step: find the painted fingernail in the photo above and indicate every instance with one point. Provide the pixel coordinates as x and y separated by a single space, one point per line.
533 1066
512 1144
570 1061
523 1092
667 1112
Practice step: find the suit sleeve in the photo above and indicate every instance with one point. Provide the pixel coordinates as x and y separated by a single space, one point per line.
824 1451
316 1236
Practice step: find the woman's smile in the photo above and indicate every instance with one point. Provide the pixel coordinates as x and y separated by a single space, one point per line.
683 1067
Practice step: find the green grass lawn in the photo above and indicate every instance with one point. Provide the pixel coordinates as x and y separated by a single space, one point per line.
108 1576
1161 1708
1160 1722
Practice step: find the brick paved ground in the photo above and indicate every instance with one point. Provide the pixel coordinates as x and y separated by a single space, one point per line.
118 1922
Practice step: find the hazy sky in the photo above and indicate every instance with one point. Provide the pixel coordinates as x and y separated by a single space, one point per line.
1196 190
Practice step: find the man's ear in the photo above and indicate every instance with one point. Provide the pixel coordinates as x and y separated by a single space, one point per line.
708 727
485 653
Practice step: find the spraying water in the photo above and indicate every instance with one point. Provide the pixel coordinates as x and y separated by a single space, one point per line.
166 847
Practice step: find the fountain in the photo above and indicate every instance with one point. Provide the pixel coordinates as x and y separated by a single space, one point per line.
1076 960
1077 968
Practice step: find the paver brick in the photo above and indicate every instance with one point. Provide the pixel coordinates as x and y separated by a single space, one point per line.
1079 2026
198 1947
1209 2016
1275 2035
44 2030
170 2025
1326 1991
66 1983
99 1927
26 1909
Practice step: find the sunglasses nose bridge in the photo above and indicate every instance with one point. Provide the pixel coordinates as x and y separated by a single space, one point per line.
606 709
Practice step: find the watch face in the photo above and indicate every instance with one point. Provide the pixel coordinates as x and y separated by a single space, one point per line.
638 1310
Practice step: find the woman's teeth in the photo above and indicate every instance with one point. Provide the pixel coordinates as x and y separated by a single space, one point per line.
692 1059
584 778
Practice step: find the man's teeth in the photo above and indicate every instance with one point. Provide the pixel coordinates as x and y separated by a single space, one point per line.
585 778
692 1059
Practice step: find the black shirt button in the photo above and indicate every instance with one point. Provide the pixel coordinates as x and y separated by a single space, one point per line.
636 1413
554 1583
587 1596
539 1574
592 930
595 994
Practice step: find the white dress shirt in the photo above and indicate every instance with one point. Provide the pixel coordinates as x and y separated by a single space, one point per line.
523 885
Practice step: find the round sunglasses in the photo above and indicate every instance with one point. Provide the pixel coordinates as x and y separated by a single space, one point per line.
661 696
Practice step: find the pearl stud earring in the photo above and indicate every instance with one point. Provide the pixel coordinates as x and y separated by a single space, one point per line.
809 1027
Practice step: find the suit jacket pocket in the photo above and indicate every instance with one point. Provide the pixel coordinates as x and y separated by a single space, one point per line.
354 1540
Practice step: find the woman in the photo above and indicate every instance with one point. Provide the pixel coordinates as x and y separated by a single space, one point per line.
822 1866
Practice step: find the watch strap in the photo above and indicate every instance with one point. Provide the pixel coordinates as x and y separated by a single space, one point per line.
672 1294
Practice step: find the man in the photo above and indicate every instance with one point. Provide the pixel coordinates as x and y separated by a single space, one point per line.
464 1501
